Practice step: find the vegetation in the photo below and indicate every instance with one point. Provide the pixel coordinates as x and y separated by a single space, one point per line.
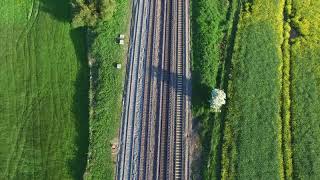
286 95
84 14
106 91
218 99
263 54
211 24
305 59
252 135
43 92
87 13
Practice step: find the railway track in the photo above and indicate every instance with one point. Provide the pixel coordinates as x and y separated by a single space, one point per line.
156 108
179 146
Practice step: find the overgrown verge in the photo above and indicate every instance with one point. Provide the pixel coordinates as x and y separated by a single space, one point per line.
305 75
286 93
211 24
252 135
106 88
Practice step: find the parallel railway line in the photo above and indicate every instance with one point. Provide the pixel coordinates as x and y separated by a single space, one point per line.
156 115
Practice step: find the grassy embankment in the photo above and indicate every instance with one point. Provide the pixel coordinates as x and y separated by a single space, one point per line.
305 75
212 43
106 91
43 92
252 138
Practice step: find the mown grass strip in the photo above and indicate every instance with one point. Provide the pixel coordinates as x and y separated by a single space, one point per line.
252 136
305 64
106 91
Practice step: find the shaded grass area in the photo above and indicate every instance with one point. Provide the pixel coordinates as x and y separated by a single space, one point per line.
252 135
106 91
44 92
305 74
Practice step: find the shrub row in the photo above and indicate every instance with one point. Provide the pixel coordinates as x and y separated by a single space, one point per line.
286 88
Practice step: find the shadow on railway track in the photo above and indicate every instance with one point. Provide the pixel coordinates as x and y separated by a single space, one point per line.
61 11
157 71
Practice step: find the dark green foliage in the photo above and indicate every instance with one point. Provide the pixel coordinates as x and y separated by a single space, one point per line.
208 31
88 14
84 14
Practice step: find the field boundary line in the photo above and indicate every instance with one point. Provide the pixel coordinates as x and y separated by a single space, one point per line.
286 95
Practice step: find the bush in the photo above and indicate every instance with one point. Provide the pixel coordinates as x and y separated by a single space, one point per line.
84 14
106 8
88 14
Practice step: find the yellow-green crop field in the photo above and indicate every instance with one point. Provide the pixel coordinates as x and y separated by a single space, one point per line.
265 56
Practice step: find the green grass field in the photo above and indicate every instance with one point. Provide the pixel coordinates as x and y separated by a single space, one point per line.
305 65
43 92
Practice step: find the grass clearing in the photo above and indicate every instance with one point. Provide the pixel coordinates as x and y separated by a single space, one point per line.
252 136
43 92
305 73
107 89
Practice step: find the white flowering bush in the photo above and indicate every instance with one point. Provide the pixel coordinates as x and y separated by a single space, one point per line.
218 99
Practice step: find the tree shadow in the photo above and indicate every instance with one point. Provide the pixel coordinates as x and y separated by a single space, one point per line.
170 78
80 105
59 9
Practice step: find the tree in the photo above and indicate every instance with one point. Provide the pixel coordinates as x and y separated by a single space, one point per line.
88 14
106 8
84 14
218 99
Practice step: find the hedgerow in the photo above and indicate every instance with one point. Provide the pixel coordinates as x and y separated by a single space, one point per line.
286 93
